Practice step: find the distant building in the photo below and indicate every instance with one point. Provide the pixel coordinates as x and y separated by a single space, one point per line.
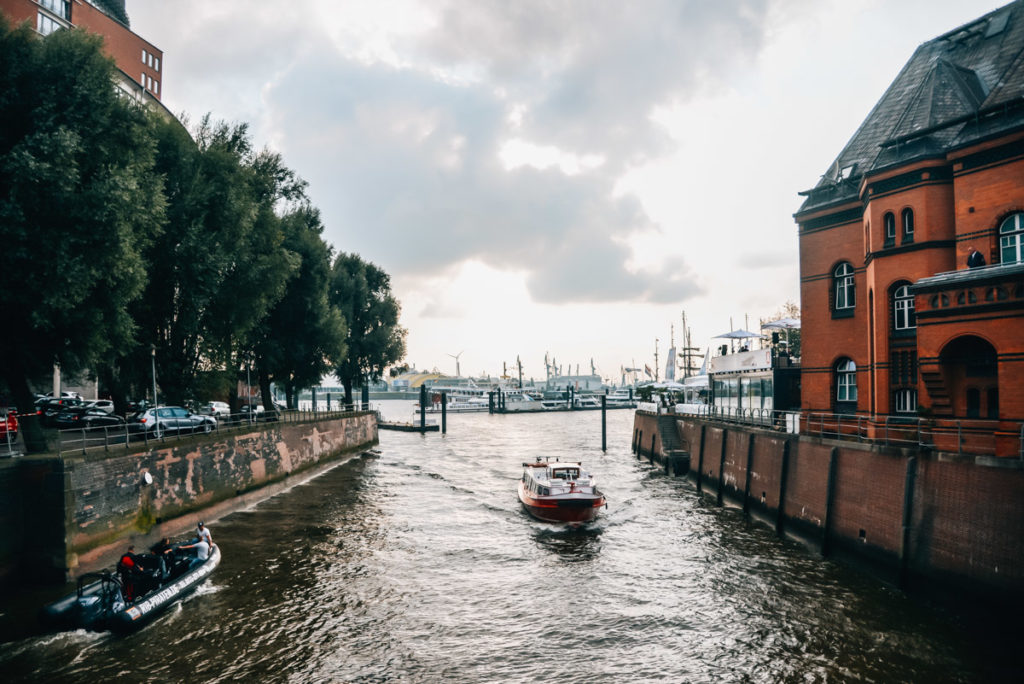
140 62
896 324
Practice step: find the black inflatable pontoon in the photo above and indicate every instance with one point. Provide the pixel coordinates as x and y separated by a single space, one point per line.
99 603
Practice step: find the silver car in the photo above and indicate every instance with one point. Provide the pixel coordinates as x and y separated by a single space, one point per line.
156 422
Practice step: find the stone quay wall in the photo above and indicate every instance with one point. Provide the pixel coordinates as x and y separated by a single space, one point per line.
66 515
919 518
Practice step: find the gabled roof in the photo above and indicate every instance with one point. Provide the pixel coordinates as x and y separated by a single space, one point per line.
961 87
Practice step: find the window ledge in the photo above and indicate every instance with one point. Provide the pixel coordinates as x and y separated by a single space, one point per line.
844 313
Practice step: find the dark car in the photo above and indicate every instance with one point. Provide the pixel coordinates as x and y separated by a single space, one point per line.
255 413
48 409
86 417
156 422
8 426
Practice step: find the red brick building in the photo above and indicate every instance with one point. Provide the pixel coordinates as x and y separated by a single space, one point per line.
896 325
140 62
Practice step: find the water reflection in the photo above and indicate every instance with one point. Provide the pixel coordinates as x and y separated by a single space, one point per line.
570 544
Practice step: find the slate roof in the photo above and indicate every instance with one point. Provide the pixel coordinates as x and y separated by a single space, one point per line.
113 8
962 87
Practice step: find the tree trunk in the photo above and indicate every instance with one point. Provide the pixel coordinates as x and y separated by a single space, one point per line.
28 422
347 384
268 398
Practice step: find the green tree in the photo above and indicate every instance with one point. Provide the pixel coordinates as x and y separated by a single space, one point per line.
220 265
303 336
79 203
361 291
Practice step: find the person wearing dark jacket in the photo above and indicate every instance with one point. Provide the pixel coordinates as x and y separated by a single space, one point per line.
974 258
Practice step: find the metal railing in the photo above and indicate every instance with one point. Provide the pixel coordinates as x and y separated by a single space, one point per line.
85 439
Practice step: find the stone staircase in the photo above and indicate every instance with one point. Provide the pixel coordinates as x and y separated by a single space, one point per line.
942 405
675 449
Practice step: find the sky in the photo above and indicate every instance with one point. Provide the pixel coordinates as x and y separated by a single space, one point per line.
543 177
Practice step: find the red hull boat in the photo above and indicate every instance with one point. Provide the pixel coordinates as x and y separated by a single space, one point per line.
559 491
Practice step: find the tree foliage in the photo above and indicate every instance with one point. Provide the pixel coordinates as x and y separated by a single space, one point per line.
129 240
304 335
361 291
79 204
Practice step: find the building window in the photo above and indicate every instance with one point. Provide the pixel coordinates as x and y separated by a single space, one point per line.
843 287
889 221
156 87
144 55
846 381
908 225
46 24
156 64
62 8
903 308
906 401
1011 239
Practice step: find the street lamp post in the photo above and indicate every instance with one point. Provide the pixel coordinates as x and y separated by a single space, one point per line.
152 351
248 386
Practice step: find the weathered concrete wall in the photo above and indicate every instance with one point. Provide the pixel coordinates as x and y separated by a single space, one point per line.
851 500
78 512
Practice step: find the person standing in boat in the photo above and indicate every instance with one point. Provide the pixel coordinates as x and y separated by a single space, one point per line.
203 534
128 569
162 550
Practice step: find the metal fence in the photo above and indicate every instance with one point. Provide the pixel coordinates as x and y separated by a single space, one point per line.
122 436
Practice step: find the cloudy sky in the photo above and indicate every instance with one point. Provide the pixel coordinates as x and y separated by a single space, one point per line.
542 176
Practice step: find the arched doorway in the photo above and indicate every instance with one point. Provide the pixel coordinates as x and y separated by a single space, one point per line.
970 370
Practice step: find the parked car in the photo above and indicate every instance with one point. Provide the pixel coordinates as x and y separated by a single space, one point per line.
256 413
47 408
87 417
217 409
156 422
103 404
8 426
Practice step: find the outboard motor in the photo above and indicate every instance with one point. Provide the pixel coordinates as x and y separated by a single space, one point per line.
99 602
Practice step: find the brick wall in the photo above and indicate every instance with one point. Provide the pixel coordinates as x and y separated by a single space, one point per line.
78 513
965 517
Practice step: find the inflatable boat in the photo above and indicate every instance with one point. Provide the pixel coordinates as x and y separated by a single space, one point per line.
106 601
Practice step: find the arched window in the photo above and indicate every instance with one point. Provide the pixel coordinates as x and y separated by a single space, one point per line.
846 381
889 221
1011 239
843 287
908 225
903 308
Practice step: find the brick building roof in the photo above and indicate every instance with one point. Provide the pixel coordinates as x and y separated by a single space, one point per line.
957 89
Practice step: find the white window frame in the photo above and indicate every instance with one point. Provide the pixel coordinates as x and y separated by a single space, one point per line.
846 381
908 226
903 309
889 221
1011 239
906 401
845 292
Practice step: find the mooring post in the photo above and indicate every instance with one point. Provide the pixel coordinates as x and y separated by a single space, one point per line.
746 487
908 521
700 459
423 408
444 413
639 444
490 402
653 437
829 495
721 467
783 471
604 422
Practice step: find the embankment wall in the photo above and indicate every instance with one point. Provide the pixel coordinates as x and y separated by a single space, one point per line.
916 517
71 514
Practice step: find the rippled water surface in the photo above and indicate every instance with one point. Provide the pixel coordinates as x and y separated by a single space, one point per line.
418 565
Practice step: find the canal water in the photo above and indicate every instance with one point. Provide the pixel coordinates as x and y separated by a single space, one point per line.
417 564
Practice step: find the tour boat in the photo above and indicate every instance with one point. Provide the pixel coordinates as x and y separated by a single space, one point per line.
559 491
102 602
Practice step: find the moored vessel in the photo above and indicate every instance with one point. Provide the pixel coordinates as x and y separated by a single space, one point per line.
559 491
